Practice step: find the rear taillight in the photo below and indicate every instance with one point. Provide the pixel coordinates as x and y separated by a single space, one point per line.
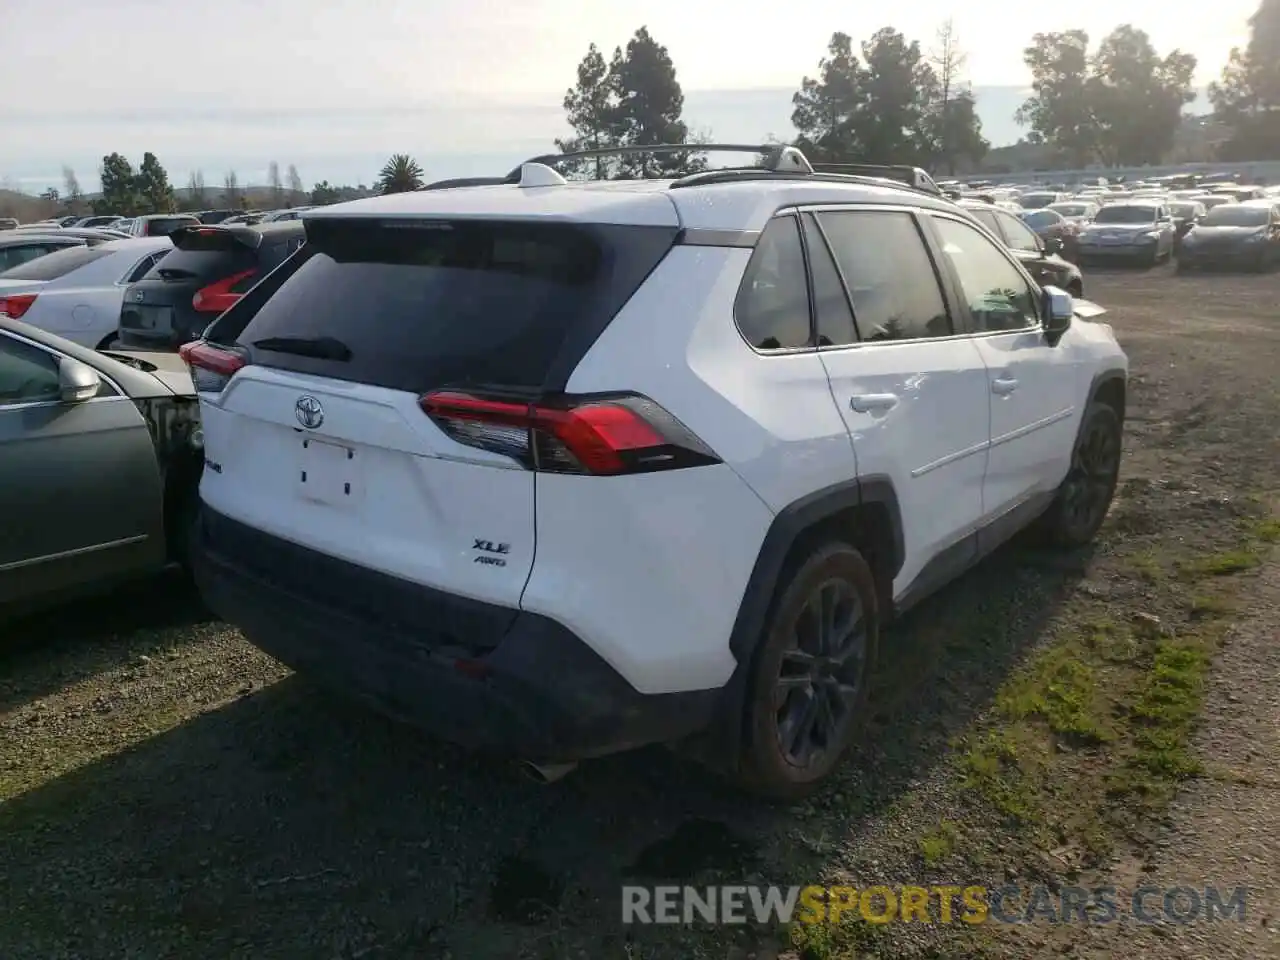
16 304
212 367
600 436
217 297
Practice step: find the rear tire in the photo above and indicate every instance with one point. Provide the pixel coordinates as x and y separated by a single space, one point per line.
1083 499
807 693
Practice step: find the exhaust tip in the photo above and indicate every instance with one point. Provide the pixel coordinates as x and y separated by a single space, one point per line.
545 773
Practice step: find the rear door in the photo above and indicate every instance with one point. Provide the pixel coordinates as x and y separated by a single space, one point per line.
321 439
911 386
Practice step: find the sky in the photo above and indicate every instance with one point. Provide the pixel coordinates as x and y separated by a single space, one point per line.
468 87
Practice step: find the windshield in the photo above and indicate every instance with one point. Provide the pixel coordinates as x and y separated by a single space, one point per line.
1071 209
1120 213
1034 201
1041 218
54 265
1185 209
1235 215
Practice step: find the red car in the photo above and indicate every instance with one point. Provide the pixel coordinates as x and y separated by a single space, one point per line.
1051 225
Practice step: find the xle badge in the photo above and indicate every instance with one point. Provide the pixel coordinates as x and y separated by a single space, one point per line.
488 549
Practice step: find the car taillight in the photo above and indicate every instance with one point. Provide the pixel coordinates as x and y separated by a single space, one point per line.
217 297
16 304
212 367
591 435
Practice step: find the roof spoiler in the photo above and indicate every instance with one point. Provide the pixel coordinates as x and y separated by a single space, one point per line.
209 236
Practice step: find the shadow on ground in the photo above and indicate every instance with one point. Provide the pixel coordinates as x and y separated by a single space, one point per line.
286 824
39 653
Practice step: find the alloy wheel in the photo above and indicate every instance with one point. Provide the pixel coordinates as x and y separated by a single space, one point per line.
821 674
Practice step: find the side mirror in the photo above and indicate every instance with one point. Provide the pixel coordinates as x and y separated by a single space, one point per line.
77 382
1058 312
1053 245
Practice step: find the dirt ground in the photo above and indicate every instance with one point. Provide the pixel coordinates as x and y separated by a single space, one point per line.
1107 717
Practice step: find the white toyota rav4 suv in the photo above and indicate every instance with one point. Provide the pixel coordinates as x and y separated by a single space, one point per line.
560 469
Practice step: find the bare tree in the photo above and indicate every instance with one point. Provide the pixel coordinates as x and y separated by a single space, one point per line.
231 189
297 192
277 188
948 60
72 195
196 187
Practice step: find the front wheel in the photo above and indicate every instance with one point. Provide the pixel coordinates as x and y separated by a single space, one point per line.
811 675
1083 499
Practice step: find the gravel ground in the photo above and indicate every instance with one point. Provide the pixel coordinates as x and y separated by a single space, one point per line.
166 790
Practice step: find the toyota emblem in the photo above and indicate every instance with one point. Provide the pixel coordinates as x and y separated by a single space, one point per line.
309 412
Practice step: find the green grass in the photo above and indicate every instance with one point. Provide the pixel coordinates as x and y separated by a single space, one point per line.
1221 564
937 846
993 767
1268 531
1060 688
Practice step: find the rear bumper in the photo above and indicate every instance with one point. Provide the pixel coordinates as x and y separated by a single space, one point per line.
540 694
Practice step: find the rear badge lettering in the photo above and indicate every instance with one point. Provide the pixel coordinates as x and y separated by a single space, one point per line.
488 548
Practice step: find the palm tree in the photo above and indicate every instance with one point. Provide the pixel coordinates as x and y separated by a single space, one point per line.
400 174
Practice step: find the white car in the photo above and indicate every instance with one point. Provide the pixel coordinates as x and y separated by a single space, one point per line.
77 293
565 468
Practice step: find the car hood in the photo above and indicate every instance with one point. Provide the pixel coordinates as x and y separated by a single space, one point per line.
1224 233
167 370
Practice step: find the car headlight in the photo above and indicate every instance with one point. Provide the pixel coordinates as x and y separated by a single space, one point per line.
1151 235
1256 237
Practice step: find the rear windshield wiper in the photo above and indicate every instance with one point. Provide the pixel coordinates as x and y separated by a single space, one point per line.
320 348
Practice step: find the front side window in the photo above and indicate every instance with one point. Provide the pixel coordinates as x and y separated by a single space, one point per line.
998 296
888 273
772 308
27 374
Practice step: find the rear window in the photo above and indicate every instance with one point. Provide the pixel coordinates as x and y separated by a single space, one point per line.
416 306
55 265
163 226
207 261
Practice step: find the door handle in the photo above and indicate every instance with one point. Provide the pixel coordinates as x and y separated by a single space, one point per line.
872 402
1004 385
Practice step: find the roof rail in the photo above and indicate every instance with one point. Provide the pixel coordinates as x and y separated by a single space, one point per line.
464 182
777 157
911 176
742 175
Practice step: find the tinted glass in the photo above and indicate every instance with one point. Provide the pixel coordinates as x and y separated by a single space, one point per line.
27 374
889 275
209 264
1185 209
1236 215
830 304
1040 219
55 265
998 296
1018 235
1123 213
772 308
447 304
1070 209
1034 201
163 226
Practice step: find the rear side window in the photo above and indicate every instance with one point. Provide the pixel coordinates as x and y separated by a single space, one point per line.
420 305
772 308
889 275
55 265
